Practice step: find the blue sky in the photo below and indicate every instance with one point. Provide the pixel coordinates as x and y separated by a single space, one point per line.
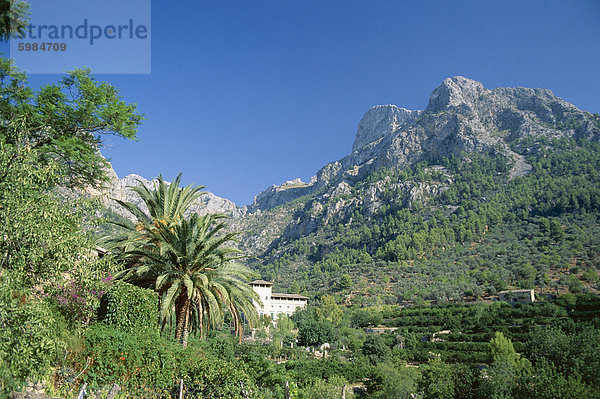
247 94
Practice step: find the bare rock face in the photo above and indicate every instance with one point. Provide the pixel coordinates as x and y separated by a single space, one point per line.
379 121
455 92
120 189
210 204
275 195
461 116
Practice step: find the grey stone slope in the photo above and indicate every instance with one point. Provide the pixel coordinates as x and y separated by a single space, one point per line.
120 189
461 116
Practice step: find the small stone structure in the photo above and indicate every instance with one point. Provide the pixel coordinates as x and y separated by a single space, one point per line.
517 296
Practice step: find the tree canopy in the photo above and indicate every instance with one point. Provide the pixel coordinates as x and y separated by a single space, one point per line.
65 122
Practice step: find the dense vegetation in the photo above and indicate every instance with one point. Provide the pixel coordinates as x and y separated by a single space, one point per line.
483 231
63 319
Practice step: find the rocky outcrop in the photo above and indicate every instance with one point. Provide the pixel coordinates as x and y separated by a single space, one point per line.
461 116
119 189
275 196
455 92
381 120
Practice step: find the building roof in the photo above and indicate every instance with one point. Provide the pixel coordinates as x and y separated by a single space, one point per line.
515 291
262 282
288 296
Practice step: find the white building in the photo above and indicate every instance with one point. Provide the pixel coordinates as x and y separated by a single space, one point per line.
275 304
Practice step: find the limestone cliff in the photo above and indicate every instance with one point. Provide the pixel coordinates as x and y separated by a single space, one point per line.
461 116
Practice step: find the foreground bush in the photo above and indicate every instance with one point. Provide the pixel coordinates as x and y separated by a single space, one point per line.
30 338
146 365
130 308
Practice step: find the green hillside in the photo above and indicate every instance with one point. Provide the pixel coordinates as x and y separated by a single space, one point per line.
482 232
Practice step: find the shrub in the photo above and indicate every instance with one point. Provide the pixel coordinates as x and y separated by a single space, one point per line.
313 333
146 364
29 339
129 308
78 301
376 349
211 377
126 358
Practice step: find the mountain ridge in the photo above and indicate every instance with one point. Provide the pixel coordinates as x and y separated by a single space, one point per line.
461 117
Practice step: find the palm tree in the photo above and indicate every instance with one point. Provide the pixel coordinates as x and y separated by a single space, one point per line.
166 202
187 261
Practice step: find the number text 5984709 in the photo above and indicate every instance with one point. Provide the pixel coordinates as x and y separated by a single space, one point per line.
44 46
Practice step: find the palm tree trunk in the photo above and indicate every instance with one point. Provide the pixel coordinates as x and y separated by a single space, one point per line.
182 310
186 326
179 324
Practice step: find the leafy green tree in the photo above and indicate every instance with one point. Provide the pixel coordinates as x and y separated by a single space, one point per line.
345 282
575 354
508 372
390 382
63 123
500 381
283 333
129 308
38 235
30 335
547 383
575 285
352 338
329 310
311 331
329 389
376 349
556 230
45 245
437 380
295 287
364 318
466 381
501 348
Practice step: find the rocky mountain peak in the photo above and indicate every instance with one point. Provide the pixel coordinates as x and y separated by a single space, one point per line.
455 92
461 116
120 189
381 120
